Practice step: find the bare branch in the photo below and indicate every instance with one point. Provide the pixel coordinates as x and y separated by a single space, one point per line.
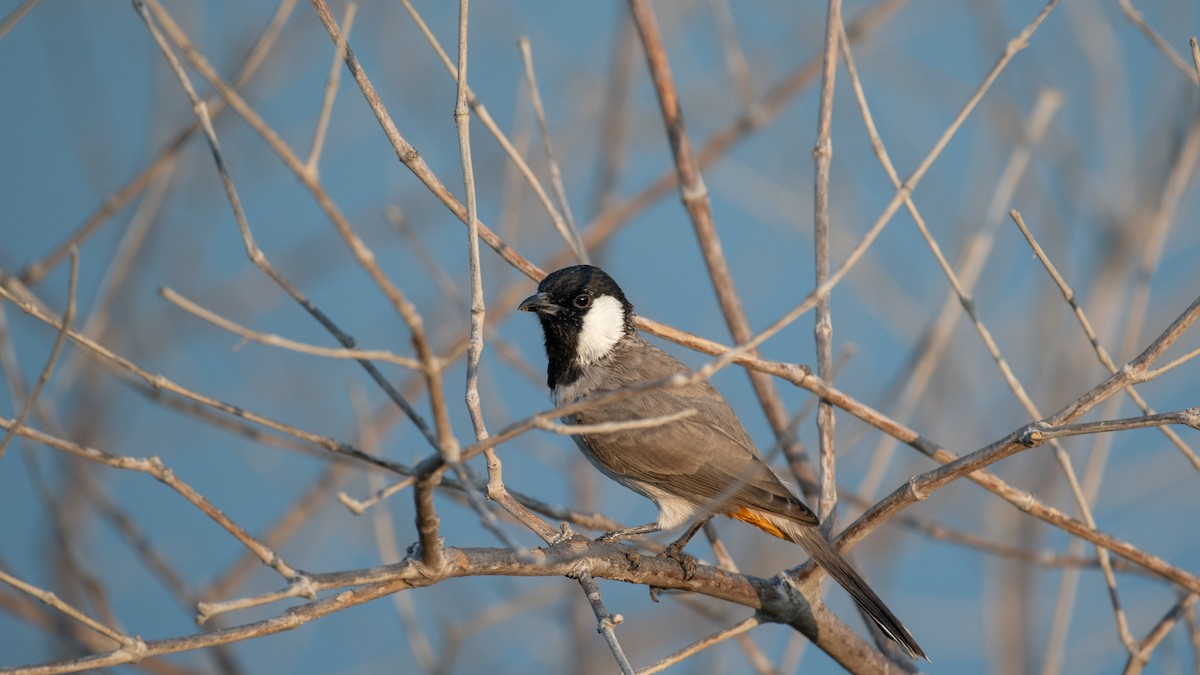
59 338
1036 434
409 156
155 467
331 87
33 272
485 117
613 427
571 235
132 645
740 628
361 253
272 340
695 196
1137 19
823 320
16 15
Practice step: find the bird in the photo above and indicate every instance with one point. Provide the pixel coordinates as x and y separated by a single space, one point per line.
691 466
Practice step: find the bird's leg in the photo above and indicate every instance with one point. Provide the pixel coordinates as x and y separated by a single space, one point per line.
674 550
609 537
631 555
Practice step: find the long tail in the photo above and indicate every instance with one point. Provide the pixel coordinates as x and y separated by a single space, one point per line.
810 539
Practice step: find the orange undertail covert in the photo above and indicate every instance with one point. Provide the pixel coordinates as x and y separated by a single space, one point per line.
760 521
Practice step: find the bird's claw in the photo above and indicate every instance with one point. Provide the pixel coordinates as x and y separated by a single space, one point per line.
686 561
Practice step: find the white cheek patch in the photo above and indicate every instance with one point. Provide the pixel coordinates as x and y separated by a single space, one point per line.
603 327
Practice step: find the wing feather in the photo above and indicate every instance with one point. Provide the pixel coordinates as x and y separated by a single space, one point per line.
707 458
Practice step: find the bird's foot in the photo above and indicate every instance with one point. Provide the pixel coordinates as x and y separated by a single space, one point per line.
686 562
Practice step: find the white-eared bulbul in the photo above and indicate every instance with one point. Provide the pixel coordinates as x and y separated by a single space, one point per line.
690 468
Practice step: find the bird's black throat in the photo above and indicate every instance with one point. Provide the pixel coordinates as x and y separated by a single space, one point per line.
562 338
564 299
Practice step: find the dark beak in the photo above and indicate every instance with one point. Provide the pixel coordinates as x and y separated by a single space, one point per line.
540 303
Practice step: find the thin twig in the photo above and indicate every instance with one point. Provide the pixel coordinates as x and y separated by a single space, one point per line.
1036 434
153 466
1137 19
796 375
614 124
1153 373
716 638
59 339
696 201
561 560
272 340
331 87
484 116
919 487
823 318
606 622
285 527
16 15
131 644
33 272
1101 353
904 193
1195 56
361 254
1138 660
384 529
428 524
970 264
411 158
731 49
614 427
121 267
156 383
560 192
968 304
495 487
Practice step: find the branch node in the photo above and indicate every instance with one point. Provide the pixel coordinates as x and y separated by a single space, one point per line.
788 606
693 192
408 155
355 506
205 611
415 557
1130 373
565 534
303 585
1032 435
1192 418
135 647
609 622
915 491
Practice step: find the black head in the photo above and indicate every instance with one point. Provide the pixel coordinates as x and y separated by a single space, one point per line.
584 315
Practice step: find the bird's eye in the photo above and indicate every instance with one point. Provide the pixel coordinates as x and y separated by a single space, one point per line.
582 300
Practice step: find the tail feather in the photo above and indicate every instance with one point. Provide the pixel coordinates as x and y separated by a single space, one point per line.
809 538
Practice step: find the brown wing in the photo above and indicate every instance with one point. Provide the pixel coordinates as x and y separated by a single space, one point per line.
706 458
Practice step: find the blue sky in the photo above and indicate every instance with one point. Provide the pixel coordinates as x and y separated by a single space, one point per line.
88 102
